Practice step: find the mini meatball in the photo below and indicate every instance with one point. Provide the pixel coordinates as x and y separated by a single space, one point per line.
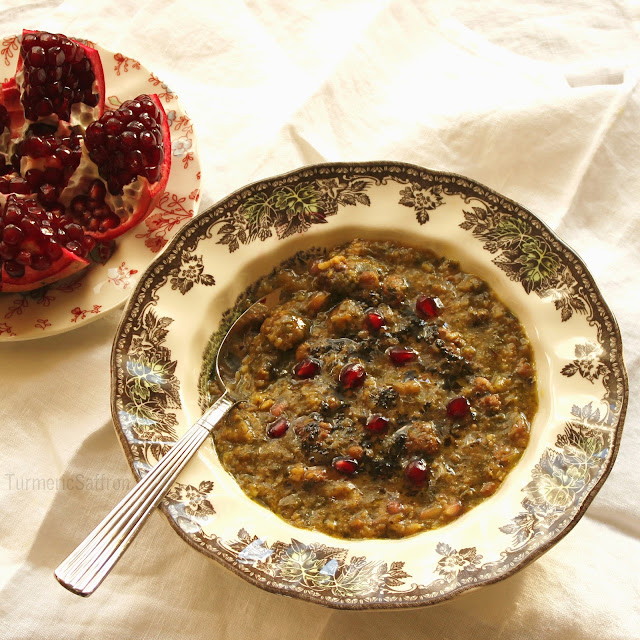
422 438
284 330
346 318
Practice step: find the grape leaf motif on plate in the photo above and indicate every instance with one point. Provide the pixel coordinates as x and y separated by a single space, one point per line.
195 500
587 363
561 476
314 568
422 199
525 257
150 387
190 272
289 209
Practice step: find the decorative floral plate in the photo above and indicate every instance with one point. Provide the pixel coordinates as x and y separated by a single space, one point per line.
164 348
68 304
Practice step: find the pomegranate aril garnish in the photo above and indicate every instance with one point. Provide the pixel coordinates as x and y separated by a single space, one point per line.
428 307
377 424
375 320
458 407
402 355
306 368
417 471
345 465
278 428
352 376
117 145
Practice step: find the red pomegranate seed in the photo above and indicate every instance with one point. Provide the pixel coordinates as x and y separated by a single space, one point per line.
7 251
278 428
458 407
41 263
352 375
345 465
12 234
14 269
417 471
428 307
374 319
377 424
306 368
24 257
402 355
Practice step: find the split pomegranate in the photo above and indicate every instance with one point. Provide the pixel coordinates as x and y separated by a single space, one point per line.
56 74
72 173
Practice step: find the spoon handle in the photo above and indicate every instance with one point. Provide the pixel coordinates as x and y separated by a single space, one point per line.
87 566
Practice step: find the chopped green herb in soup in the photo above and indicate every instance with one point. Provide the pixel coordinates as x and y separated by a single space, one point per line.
389 393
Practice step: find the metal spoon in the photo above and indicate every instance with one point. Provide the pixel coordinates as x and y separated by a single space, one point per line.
85 569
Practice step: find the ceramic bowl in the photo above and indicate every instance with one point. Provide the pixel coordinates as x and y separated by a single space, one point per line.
166 340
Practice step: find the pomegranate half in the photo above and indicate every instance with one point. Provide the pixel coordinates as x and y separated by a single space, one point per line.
72 175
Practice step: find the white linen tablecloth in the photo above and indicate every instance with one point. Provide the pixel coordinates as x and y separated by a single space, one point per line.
537 99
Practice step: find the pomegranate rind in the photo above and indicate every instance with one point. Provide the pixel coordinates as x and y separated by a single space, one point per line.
149 194
66 265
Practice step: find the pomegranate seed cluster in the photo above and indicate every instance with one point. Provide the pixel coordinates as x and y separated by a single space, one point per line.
399 403
57 75
31 236
56 159
127 143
